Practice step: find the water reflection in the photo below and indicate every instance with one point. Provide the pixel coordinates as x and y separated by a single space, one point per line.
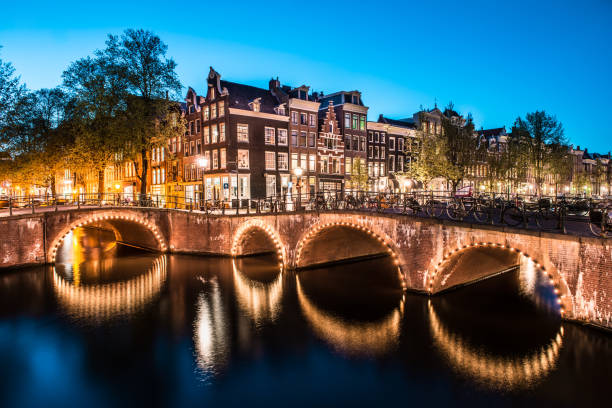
103 301
258 284
211 331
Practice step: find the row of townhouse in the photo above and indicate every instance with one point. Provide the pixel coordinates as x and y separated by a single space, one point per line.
244 142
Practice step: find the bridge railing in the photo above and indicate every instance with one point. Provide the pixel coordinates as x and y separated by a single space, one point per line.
573 214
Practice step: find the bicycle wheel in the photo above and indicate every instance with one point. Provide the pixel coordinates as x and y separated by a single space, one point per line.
455 211
512 216
433 208
481 212
546 220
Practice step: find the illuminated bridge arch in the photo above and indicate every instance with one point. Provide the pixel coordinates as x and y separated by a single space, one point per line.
365 239
128 227
256 236
439 276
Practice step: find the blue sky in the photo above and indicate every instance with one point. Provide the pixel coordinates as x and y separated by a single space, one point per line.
496 60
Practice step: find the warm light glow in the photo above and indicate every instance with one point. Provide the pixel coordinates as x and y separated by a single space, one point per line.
202 162
298 171
262 301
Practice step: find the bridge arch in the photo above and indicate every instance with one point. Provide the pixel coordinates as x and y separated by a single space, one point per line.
435 277
147 234
247 240
369 232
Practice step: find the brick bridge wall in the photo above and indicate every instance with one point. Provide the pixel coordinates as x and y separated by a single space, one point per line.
578 267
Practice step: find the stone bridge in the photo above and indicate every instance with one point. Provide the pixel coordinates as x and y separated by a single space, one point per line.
431 255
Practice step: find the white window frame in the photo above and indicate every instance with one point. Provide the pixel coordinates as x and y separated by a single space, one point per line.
270 160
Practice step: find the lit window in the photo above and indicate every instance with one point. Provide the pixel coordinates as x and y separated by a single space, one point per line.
347 120
207 157
269 135
243 159
215 155
312 162
215 133
283 161
347 165
311 139
223 155
270 161
294 137
221 108
222 132
355 121
206 135
243 133
362 120
213 110
282 137
294 161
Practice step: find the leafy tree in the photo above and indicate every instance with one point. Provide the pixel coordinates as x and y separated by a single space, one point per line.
462 149
359 175
430 160
11 91
544 139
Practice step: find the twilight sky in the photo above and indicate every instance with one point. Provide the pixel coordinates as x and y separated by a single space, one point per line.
496 60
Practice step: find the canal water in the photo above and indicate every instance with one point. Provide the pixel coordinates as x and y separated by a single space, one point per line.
110 326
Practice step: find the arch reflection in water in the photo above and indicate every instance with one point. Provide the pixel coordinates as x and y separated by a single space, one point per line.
353 337
488 369
108 300
260 300
211 331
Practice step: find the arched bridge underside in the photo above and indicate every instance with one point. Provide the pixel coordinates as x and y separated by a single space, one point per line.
431 255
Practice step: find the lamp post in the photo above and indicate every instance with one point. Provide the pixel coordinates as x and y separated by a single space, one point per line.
298 174
202 163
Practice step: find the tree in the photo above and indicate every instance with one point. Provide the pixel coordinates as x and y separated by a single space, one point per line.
544 139
150 117
462 149
11 91
430 160
359 175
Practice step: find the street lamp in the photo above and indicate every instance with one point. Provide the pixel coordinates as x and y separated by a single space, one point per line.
202 163
298 174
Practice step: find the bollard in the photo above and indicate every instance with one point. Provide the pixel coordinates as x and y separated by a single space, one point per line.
10 206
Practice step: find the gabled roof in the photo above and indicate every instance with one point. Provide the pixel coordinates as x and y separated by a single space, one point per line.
405 123
240 95
492 132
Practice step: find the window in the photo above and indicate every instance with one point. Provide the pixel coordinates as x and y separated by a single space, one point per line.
370 136
221 108
281 110
198 146
222 132
186 149
355 99
269 135
304 161
400 164
382 168
303 119
282 137
163 175
347 120
311 139
243 159
207 158
191 128
362 120
347 143
391 143
370 150
283 161
376 139
355 143
294 138
382 137
190 108
324 163
270 185
215 133
198 127
302 139
362 145
243 133
206 135
223 155
382 152
215 154
153 155
376 152
162 153
270 161
355 121
400 145
347 165
313 120
312 162
191 148
213 110
391 162
294 117
206 112
294 161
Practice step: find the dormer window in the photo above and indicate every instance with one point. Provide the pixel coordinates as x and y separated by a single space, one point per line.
280 110
212 93
356 99
255 105
190 108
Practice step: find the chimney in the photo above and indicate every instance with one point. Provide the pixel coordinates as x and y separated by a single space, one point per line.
578 147
274 84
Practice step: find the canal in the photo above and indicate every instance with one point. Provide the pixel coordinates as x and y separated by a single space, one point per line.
109 325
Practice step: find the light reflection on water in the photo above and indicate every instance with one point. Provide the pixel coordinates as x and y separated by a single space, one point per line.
205 331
